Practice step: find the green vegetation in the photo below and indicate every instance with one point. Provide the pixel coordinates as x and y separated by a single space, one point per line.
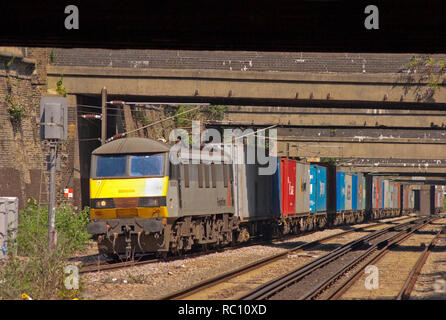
60 89
329 160
52 56
10 62
185 119
429 69
141 117
31 267
213 112
16 111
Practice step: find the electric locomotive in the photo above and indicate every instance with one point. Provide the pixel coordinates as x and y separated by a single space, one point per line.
142 203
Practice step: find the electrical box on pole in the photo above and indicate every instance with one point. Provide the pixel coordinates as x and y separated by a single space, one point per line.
53 118
53 127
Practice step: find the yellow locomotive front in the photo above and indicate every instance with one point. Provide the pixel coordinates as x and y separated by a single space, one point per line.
128 188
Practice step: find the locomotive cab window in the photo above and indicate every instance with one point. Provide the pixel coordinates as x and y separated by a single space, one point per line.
111 166
146 165
117 166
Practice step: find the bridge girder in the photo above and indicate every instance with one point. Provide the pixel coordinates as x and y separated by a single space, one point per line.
298 89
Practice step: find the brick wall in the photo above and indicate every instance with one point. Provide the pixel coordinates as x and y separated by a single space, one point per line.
23 81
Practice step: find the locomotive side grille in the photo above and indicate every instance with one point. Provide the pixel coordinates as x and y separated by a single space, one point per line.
126 202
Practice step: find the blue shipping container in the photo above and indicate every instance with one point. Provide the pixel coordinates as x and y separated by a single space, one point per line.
313 183
340 190
355 191
321 198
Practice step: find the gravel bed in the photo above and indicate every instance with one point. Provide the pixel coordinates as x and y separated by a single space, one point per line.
394 267
152 281
89 255
431 283
317 276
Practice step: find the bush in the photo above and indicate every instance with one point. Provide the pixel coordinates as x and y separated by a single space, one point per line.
71 227
31 267
40 274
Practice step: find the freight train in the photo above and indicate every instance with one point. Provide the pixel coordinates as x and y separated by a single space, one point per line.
140 202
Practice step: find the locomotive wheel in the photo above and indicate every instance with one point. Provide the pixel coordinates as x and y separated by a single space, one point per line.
112 256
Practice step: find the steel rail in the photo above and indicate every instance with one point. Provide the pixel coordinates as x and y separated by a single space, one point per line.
183 293
404 234
276 285
409 284
95 267
349 282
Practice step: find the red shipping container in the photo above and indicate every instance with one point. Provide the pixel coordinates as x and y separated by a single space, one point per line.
378 183
288 186
399 196
406 197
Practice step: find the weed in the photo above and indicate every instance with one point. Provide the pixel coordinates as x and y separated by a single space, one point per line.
31 267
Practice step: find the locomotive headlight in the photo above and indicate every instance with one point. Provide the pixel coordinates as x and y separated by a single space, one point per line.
152 201
102 203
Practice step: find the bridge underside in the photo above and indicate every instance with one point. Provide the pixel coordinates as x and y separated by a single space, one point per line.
296 102
243 88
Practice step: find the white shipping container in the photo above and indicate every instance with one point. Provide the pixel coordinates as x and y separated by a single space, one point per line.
9 213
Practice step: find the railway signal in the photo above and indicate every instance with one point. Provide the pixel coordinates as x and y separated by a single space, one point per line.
54 125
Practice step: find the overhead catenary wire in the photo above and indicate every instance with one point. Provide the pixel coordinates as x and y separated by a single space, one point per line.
257 131
121 135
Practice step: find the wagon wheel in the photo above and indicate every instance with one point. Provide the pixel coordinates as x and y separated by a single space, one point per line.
162 255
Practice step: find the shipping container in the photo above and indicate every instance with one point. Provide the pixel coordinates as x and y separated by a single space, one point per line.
376 187
361 191
427 194
9 213
355 189
411 199
382 194
399 192
348 191
252 191
288 186
321 198
303 188
387 195
439 197
318 189
340 191
406 195
313 182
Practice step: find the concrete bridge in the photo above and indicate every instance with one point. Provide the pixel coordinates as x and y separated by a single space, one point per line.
351 90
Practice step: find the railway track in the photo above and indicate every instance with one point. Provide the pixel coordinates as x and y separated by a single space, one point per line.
209 289
331 275
409 284
110 265
401 263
